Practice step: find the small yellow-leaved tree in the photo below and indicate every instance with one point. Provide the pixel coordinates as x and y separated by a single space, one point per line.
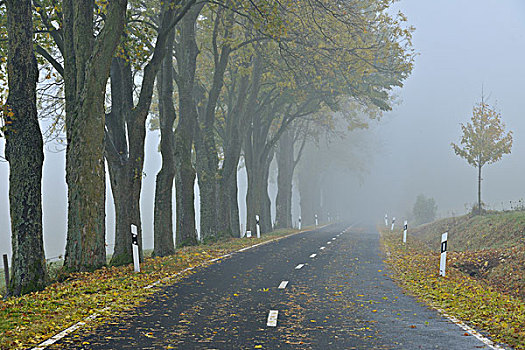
484 140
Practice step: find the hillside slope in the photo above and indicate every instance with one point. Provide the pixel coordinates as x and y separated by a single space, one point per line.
489 248
499 230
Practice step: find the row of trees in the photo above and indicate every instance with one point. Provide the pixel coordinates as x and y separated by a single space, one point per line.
234 80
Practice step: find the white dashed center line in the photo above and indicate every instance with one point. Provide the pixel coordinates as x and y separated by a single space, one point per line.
299 266
328 242
333 239
272 318
313 255
283 284
322 248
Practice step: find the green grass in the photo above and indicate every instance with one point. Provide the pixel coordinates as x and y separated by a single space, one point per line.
496 230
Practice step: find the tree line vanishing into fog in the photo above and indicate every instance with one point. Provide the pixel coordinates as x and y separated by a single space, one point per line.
225 82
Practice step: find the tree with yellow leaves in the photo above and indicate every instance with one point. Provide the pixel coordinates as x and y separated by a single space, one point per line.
484 140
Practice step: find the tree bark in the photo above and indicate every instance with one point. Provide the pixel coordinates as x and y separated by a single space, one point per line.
235 126
285 164
310 193
479 190
117 156
163 222
186 52
24 151
257 198
125 149
87 63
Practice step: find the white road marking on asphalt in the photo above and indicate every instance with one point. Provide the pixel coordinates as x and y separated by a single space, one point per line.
66 331
328 242
472 331
77 325
283 284
322 248
313 255
333 239
272 318
299 266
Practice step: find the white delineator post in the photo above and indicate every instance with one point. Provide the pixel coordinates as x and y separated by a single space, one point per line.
386 220
257 226
316 221
443 261
393 222
405 229
300 225
135 246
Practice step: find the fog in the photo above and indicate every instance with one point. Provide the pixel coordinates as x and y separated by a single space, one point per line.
462 45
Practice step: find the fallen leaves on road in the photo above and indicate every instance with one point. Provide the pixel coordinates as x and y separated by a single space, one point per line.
459 294
33 318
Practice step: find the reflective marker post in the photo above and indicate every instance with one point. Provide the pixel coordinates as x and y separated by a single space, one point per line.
386 220
393 222
258 227
135 246
300 225
316 221
405 232
443 261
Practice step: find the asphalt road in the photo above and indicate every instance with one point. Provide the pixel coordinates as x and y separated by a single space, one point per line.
341 298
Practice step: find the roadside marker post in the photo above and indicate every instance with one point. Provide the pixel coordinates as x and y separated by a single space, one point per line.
405 229
316 221
386 220
135 246
393 222
6 271
258 227
300 225
443 261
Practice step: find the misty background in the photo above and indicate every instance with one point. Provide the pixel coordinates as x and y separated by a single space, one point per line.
462 45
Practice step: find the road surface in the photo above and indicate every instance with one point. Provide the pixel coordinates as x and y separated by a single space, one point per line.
335 293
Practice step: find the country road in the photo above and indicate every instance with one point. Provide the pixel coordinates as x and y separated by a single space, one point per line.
328 289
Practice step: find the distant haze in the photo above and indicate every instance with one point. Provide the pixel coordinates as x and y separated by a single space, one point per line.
463 44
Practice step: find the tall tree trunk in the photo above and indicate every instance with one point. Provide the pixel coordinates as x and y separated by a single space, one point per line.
186 52
232 145
87 61
163 223
479 190
257 198
207 169
118 158
205 145
310 193
228 210
285 167
24 151
131 132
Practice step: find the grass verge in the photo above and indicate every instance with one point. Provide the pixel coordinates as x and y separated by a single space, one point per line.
473 301
28 320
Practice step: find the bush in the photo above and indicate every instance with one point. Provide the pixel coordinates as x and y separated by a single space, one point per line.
425 210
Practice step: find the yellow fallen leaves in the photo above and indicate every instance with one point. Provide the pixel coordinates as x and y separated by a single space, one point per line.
33 318
460 295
